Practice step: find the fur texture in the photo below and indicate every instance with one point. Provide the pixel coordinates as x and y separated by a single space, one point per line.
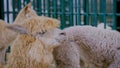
8 36
67 55
33 47
98 47
24 14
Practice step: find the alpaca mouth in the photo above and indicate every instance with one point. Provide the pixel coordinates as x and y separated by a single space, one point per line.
58 40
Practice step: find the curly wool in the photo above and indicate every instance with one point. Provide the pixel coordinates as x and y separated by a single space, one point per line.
67 55
19 58
34 48
97 46
8 36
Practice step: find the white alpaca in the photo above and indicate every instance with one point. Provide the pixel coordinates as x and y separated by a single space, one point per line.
97 47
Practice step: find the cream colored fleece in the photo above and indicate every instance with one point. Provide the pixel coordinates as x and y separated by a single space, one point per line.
97 46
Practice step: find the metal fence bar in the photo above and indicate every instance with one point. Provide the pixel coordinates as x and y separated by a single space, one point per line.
8 11
2 9
118 15
94 11
39 7
62 16
28 1
19 5
79 13
114 15
24 2
75 12
71 12
103 10
35 4
48 7
13 5
55 8
86 10
44 7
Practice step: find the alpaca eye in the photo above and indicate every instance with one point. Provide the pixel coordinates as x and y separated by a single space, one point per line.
63 33
41 33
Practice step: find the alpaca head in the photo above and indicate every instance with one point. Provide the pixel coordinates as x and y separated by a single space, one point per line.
43 28
62 36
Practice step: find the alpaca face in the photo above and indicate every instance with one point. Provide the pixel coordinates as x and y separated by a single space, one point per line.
45 29
45 42
49 37
62 37
42 28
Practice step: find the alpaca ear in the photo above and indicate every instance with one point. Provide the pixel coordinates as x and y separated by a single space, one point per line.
17 28
28 7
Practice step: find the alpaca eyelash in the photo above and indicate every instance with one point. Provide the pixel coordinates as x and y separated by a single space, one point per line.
41 33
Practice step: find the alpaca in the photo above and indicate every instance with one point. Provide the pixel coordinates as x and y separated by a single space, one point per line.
34 45
97 47
8 36
67 55
4 37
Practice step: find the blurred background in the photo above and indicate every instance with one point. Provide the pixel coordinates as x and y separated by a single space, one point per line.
69 12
